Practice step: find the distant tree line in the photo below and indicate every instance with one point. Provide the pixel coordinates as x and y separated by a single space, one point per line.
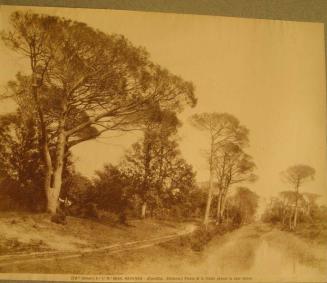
292 207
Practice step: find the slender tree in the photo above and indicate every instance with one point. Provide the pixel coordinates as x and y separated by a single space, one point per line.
222 128
287 200
232 165
296 176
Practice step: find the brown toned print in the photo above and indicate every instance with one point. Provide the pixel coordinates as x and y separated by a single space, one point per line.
161 147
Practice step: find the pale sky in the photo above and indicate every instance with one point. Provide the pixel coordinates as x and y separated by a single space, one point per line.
269 74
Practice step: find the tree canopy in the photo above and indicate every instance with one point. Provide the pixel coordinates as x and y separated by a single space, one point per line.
82 83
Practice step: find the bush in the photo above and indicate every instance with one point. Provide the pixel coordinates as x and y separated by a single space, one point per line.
108 216
200 238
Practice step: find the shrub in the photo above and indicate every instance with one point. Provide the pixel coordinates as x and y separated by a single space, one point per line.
200 238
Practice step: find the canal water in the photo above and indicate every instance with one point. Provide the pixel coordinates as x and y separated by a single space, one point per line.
259 260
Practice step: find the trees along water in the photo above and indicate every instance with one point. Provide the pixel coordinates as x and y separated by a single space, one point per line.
221 129
296 176
232 166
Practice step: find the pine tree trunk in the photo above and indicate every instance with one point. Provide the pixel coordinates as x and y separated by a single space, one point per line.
43 144
143 210
54 191
209 199
284 211
48 170
223 206
52 201
208 206
147 159
219 207
295 217
290 221
207 211
48 174
296 207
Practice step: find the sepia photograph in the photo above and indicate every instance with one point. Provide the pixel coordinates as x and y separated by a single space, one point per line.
161 147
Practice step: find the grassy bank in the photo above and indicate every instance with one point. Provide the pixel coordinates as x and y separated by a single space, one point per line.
23 233
183 250
314 232
308 243
202 236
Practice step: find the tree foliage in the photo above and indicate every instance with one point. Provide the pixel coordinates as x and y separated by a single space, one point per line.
83 83
20 166
160 176
297 175
227 161
242 206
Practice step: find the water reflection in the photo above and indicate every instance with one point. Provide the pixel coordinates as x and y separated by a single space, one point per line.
282 265
262 261
254 252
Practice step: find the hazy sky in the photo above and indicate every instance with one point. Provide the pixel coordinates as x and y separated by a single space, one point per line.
269 74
